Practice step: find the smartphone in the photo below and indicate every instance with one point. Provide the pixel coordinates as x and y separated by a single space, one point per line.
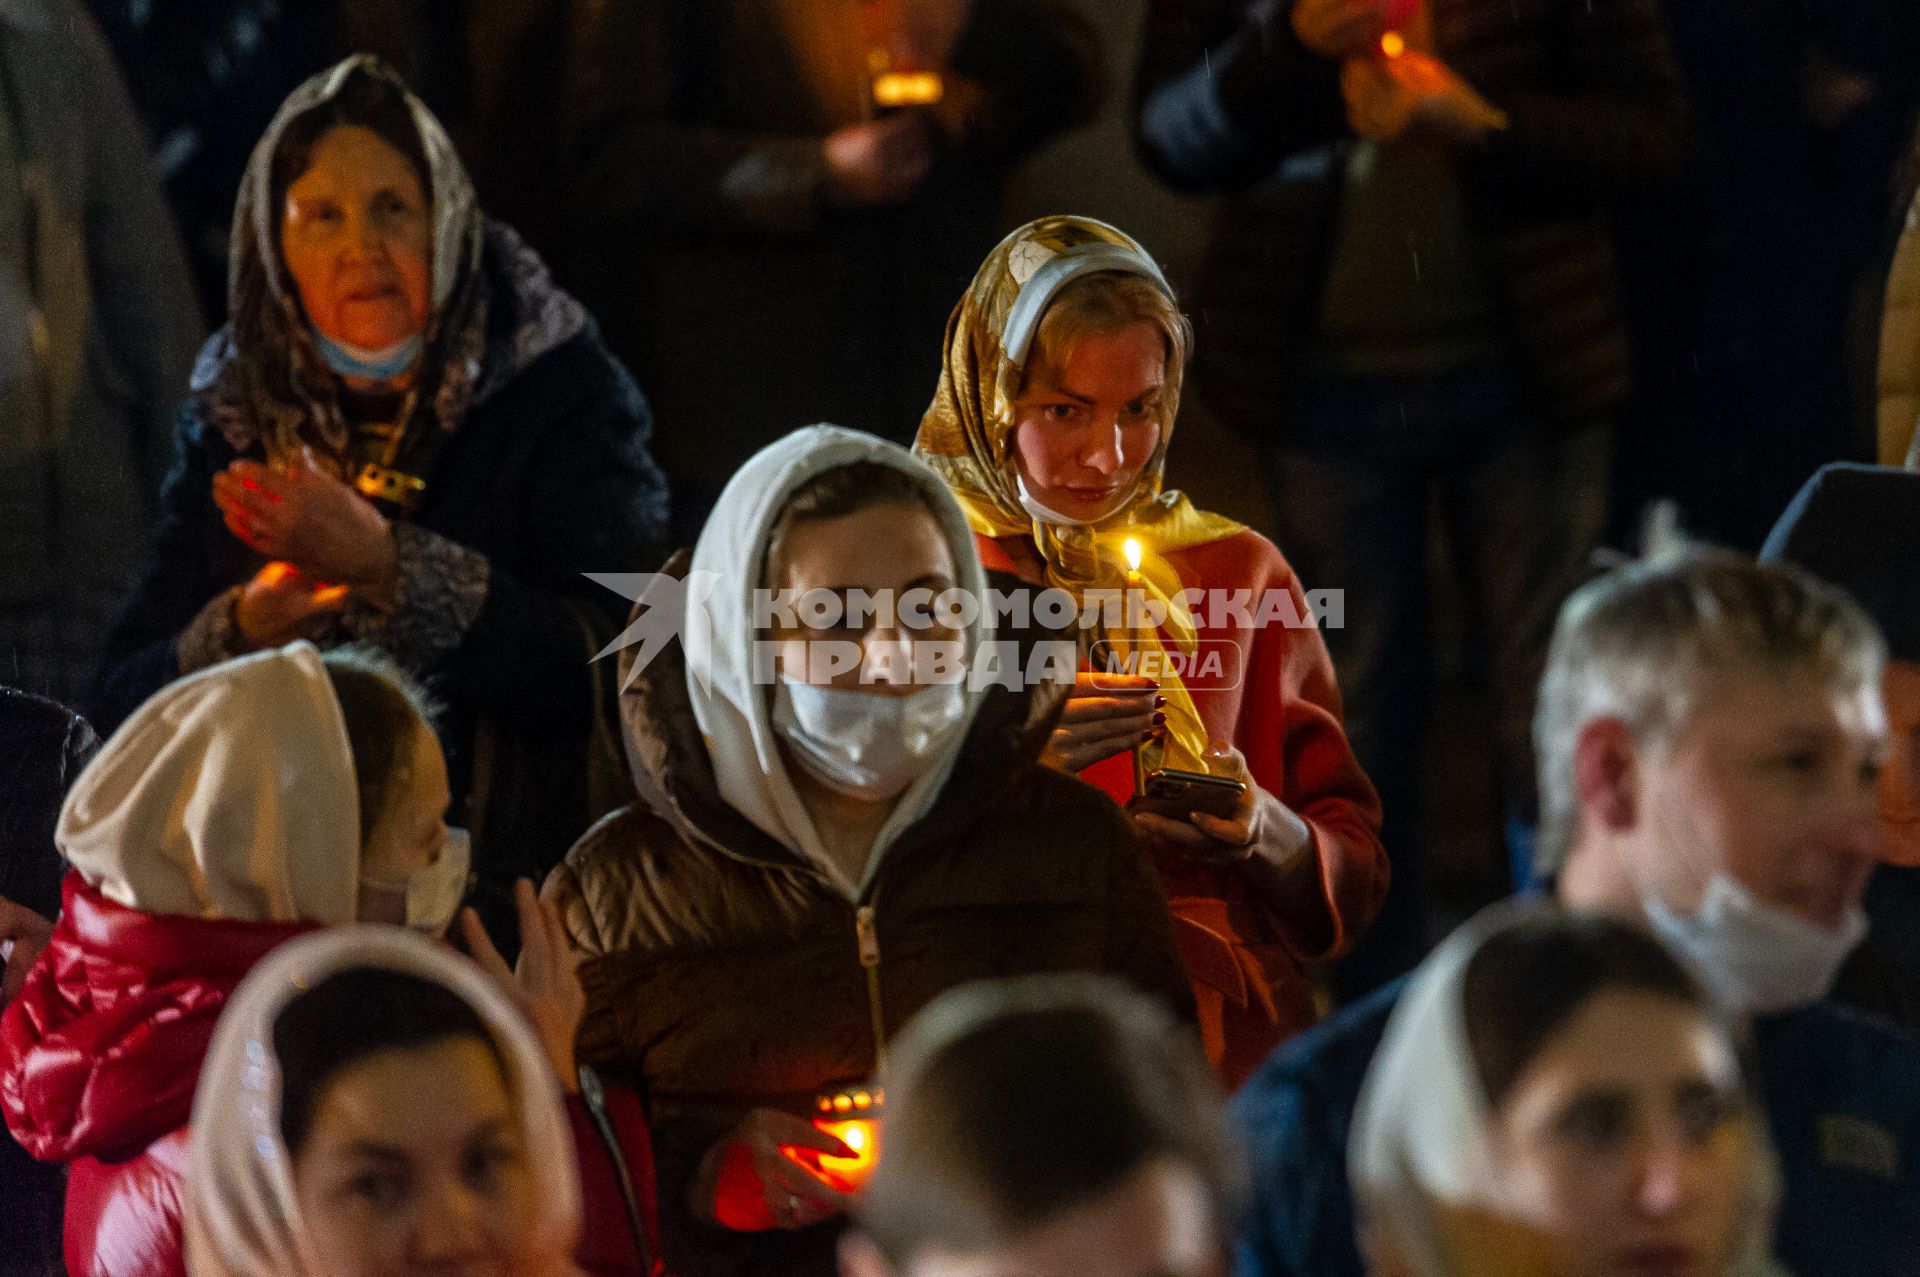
1166 791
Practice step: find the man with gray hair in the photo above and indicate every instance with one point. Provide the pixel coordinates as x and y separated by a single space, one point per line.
1709 735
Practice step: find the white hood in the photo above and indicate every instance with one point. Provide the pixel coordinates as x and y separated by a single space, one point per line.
229 794
735 714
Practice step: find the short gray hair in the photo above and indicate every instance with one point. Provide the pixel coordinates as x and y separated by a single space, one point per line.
1641 643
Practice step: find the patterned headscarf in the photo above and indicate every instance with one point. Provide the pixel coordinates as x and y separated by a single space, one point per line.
967 438
262 379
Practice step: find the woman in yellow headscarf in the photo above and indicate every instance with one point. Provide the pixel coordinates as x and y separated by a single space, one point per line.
1056 403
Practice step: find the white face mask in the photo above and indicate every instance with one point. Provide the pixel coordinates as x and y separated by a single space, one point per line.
1756 958
1041 513
434 893
864 744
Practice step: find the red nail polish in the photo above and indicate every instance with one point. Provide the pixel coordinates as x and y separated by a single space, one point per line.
1158 719
1159 702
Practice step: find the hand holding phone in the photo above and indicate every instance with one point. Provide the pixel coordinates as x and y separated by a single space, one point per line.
1177 794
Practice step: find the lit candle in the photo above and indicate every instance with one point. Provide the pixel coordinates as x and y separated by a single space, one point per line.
853 1118
908 88
1132 551
1393 44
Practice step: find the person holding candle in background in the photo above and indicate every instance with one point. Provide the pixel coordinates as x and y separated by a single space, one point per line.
858 153
816 853
1412 304
1051 423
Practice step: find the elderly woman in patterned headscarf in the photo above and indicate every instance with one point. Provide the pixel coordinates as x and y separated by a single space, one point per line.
1051 425
406 436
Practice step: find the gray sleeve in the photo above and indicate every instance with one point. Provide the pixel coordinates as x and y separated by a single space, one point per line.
442 587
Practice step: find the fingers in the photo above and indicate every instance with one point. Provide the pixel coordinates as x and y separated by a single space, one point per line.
28 934
796 1197
1135 710
535 943
1078 749
480 947
247 513
774 1128
1235 832
1086 683
547 952
1175 833
1224 759
258 479
328 598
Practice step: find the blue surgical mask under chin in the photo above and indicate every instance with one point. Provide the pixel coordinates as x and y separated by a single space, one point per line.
374 365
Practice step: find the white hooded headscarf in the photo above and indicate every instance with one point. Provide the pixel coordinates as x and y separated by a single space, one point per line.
242 1213
735 713
1421 1134
228 794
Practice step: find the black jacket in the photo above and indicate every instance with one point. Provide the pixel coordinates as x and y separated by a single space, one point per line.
1230 99
549 477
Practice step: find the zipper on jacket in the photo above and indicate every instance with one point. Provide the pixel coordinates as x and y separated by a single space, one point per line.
869 939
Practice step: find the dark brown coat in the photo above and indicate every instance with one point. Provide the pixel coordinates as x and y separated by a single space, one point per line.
726 972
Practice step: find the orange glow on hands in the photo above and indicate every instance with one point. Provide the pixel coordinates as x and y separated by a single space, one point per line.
861 1135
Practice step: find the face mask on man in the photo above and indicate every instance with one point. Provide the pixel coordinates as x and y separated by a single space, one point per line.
434 893
1756 958
866 745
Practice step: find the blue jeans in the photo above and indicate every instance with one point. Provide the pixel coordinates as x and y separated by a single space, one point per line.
1365 468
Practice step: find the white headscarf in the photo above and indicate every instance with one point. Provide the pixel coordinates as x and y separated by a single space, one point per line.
229 794
735 714
242 1214
1422 1130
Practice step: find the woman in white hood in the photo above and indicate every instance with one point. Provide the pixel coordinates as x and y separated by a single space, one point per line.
313 1154
1556 1097
237 808
816 855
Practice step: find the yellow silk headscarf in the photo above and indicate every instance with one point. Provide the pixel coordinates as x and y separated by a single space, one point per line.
967 438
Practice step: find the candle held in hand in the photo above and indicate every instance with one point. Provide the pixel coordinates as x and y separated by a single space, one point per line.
853 1118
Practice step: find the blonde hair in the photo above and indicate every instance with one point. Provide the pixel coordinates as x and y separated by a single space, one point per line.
1105 303
1642 643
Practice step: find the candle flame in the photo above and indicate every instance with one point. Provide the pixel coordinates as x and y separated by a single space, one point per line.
1132 551
908 88
1393 44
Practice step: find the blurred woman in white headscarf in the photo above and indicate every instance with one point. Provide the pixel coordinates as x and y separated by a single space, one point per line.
1555 1097
314 1154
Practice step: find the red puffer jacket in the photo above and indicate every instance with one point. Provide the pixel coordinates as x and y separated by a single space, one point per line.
99 1056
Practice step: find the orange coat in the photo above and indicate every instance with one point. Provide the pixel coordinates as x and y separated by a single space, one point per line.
1246 958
